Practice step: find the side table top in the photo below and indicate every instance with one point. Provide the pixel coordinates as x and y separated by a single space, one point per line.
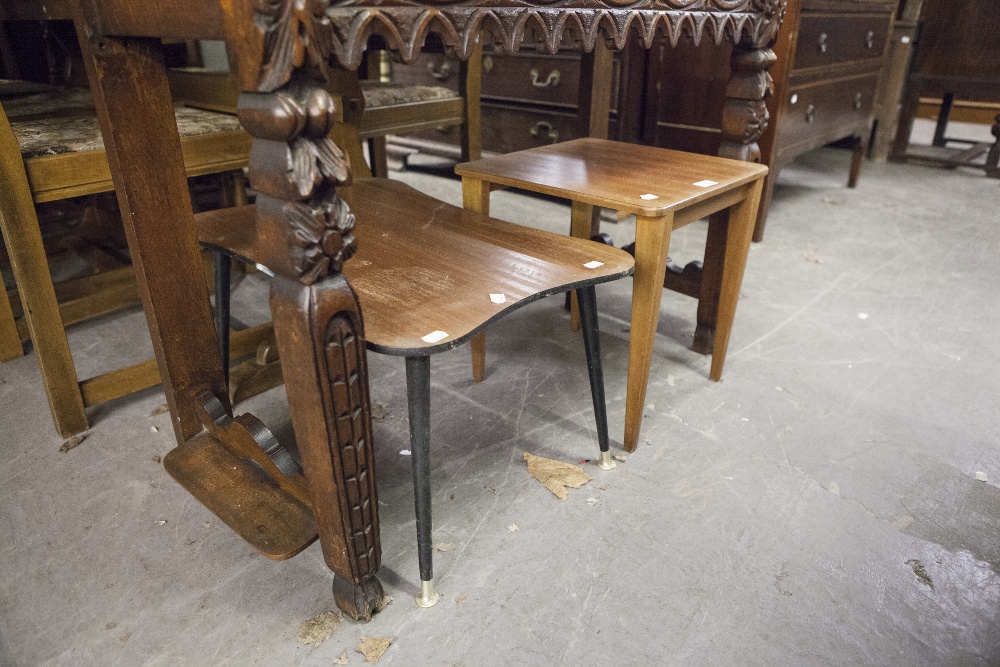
643 180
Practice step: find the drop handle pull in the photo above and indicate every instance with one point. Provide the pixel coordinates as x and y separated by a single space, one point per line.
858 97
810 113
870 39
822 42
545 127
439 72
552 80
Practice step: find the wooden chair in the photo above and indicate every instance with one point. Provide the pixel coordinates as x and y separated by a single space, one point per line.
51 149
665 190
430 276
389 108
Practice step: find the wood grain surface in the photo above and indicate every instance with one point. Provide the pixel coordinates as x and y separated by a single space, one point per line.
603 173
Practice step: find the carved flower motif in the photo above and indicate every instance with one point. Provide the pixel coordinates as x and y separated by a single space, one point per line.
321 236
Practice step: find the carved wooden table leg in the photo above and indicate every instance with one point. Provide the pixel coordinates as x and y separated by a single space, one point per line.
744 120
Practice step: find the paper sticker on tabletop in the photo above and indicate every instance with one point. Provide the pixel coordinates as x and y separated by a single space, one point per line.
498 298
435 336
648 197
704 184
594 264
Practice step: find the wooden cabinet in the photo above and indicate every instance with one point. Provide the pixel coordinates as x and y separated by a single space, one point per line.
529 99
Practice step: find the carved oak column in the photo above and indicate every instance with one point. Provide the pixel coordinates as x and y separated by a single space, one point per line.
282 66
744 121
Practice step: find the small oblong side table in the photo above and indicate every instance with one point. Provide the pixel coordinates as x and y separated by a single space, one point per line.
665 190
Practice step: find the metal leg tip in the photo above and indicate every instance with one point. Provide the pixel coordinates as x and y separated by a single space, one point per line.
428 596
605 462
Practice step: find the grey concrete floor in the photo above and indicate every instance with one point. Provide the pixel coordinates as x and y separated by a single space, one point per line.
819 506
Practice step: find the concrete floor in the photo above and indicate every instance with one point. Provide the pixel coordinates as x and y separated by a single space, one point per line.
819 506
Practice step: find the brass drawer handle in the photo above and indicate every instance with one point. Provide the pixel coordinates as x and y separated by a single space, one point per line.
810 113
487 64
545 127
552 80
857 101
822 42
441 72
870 39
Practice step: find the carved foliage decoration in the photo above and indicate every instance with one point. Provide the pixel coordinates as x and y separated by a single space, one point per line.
745 115
293 160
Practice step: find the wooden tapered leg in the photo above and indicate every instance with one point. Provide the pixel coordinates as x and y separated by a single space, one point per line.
652 243
19 225
581 226
476 197
738 234
324 363
711 283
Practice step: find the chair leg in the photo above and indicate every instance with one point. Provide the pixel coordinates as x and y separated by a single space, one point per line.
223 267
587 298
418 397
10 340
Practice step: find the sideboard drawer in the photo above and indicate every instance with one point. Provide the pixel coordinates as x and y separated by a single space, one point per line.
817 112
828 39
508 129
428 69
532 78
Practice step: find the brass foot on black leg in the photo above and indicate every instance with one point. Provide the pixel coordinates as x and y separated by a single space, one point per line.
359 601
428 596
605 462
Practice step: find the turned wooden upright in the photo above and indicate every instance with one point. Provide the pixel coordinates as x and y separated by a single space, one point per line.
281 53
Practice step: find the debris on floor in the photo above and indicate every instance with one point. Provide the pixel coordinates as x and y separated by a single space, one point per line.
156 459
373 647
342 660
593 502
921 572
384 602
621 458
73 442
379 411
153 429
556 476
460 599
981 476
319 628
443 546
159 409
513 528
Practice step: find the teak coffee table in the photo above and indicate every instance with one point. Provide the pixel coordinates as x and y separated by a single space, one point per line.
665 190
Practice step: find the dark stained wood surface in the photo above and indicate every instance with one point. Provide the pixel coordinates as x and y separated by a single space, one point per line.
602 173
423 265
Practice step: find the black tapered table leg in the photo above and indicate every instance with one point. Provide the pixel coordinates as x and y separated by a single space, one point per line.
587 298
418 398
223 266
